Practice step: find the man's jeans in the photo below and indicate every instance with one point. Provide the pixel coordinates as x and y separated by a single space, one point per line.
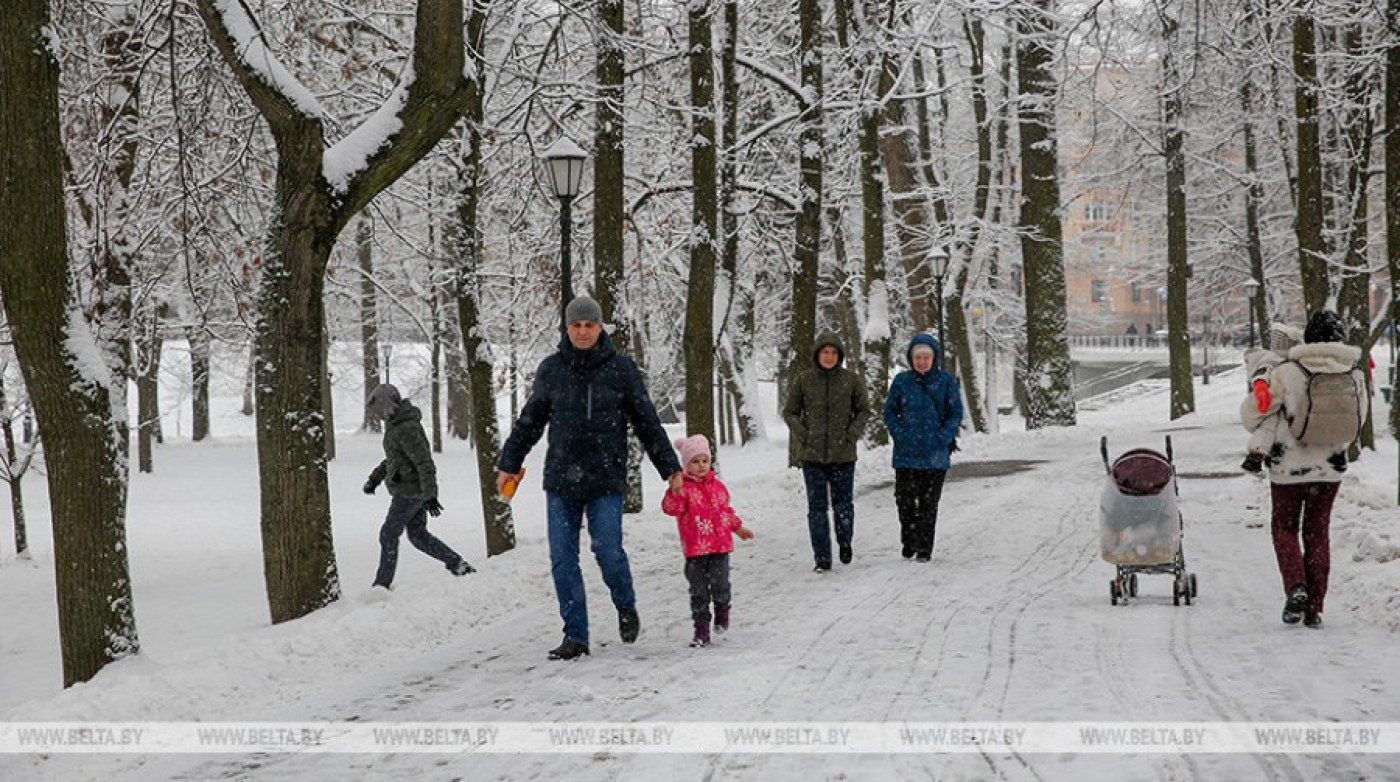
605 532
829 486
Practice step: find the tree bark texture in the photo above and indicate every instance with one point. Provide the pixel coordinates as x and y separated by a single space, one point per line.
1312 250
496 514
369 318
1183 392
802 326
1049 379
80 409
704 228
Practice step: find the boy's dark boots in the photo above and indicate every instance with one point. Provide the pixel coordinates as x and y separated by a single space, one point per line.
461 568
568 650
702 631
721 617
1293 607
1338 461
1253 463
629 625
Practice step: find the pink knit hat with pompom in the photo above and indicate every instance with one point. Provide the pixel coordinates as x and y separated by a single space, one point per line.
691 447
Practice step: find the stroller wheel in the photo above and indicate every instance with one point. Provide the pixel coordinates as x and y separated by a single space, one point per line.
1132 585
1176 593
1191 580
1114 592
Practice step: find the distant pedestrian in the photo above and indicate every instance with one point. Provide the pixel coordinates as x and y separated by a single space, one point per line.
587 395
826 410
1320 392
411 477
707 525
923 412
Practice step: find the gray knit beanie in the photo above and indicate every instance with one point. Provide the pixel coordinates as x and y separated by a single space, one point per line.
583 308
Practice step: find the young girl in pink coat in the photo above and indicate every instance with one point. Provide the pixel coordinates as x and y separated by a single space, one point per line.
706 524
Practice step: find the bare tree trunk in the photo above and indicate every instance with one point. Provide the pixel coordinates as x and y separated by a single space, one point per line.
249 379
1354 287
900 157
875 336
1312 251
1253 194
807 252
496 514
609 212
369 317
15 467
148 349
1183 392
1049 380
198 336
81 409
327 388
737 350
704 228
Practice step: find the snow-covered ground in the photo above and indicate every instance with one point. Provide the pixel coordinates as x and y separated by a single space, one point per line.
1011 622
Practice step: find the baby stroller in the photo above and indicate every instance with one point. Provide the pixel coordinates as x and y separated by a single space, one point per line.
1140 527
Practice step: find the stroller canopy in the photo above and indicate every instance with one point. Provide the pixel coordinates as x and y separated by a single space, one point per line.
1141 472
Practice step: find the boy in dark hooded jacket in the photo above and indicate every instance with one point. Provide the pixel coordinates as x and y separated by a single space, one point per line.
409 473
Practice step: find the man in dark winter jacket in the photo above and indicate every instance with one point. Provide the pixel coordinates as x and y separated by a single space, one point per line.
588 393
825 411
409 473
922 411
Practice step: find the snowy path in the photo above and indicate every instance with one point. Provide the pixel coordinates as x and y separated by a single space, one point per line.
1010 622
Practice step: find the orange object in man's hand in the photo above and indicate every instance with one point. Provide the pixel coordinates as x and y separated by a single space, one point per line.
512 483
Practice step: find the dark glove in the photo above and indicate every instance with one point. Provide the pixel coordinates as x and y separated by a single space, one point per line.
1338 462
433 507
953 446
370 486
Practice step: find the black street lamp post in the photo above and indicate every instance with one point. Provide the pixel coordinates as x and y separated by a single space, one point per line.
938 260
1251 287
564 161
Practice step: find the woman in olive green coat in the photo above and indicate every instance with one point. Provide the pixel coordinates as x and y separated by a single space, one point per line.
825 412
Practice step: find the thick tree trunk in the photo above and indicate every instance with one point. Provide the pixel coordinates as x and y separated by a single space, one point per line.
1183 392
736 353
1312 250
802 324
1253 196
911 217
81 408
496 514
369 317
875 337
609 207
299 565
704 228
1048 376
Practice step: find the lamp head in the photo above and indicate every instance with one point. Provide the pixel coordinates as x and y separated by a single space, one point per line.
563 161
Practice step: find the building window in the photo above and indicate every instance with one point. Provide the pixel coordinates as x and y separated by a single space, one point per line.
1098 290
1096 211
1136 291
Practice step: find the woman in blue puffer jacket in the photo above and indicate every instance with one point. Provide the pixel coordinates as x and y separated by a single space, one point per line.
923 412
